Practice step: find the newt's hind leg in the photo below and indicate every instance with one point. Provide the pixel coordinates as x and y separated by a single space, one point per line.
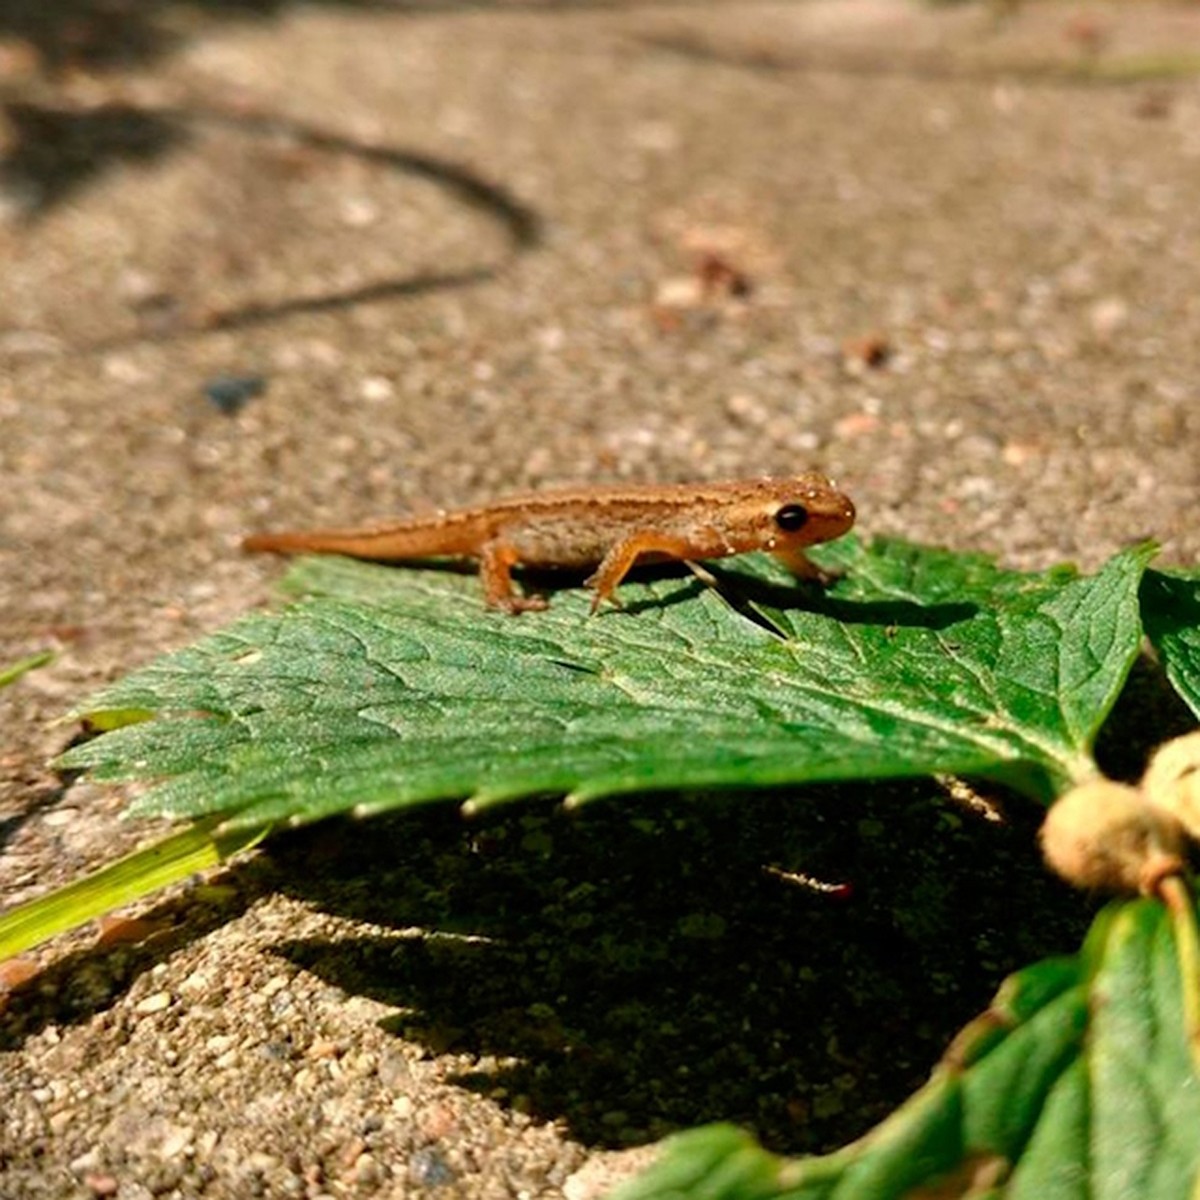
496 561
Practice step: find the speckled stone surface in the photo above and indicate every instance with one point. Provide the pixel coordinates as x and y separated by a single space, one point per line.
282 263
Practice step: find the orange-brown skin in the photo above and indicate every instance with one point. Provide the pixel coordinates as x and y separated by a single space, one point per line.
609 528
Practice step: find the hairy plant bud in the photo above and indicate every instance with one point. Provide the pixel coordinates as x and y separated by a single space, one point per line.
1105 837
1172 781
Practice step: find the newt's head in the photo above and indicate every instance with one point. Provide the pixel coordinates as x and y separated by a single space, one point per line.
781 515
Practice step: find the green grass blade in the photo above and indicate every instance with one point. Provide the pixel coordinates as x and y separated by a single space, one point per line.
14 671
202 844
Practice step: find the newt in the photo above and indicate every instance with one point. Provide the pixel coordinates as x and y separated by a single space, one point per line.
605 528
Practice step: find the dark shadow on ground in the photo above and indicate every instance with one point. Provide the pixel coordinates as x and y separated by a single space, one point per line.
651 964
521 223
51 153
54 152
114 34
99 35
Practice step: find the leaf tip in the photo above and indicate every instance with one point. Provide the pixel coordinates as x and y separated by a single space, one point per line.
474 805
575 800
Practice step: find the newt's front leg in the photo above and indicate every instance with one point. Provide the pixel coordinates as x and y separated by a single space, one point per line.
803 567
622 556
496 561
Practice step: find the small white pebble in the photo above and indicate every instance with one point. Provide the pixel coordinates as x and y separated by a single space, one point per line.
60 816
153 1004
1107 316
376 388
197 981
358 212
176 1140
88 1161
275 984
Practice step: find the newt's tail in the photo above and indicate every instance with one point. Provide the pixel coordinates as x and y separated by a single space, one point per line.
295 542
389 543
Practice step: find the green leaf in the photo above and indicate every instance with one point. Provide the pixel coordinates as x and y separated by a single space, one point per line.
1171 610
13 672
202 844
387 688
1077 1084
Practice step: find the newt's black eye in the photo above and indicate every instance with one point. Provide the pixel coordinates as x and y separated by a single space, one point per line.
792 517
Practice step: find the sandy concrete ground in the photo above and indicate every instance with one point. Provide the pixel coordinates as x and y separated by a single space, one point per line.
458 245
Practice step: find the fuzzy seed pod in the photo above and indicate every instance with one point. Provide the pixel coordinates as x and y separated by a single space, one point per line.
1105 837
1172 781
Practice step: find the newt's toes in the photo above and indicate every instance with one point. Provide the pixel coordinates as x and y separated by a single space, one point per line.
598 599
516 605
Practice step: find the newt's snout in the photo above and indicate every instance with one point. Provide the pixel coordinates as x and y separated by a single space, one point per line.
841 519
830 516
